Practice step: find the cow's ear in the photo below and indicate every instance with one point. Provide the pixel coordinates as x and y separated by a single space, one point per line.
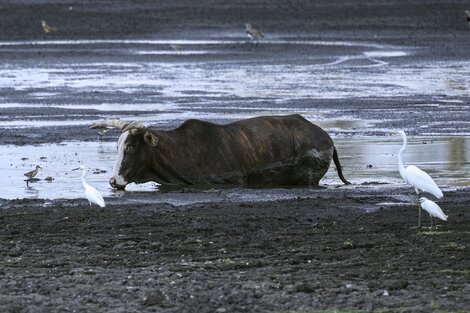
135 131
151 139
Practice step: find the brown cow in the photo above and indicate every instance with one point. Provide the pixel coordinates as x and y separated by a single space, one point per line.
260 151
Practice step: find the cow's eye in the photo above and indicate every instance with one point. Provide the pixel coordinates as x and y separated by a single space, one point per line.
129 148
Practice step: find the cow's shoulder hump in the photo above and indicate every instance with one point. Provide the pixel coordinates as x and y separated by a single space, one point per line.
195 124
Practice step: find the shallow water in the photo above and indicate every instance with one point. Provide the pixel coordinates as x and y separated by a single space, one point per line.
350 69
234 80
163 82
337 78
365 160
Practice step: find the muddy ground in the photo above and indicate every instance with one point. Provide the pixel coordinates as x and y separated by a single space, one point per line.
303 255
321 252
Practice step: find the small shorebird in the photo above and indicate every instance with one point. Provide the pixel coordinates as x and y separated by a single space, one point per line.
101 128
432 208
47 28
253 33
467 17
101 131
31 174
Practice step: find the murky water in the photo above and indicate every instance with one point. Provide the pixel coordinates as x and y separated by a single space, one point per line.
160 81
353 69
365 160
342 77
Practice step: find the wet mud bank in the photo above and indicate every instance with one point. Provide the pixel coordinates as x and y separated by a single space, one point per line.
299 255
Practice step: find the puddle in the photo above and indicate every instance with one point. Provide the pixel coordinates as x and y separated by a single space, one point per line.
385 54
447 160
56 161
173 52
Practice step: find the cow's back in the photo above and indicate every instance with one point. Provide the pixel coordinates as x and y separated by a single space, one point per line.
282 150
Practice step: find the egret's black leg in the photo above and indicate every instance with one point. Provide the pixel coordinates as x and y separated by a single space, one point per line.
419 209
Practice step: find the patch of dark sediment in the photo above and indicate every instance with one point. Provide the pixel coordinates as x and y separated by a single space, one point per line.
318 253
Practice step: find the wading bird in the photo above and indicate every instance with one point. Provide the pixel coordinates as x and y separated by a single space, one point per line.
416 177
432 208
101 130
253 33
101 127
47 28
33 173
93 195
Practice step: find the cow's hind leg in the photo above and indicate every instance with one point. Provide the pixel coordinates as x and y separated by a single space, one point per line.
311 170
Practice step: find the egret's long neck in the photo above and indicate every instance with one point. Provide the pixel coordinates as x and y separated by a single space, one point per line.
401 166
83 178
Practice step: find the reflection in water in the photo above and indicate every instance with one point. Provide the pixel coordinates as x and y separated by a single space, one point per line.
456 84
456 78
338 124
375 159
101 149
457 153
31 192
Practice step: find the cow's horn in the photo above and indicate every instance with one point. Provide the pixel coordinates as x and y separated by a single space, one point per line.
134 125
117 123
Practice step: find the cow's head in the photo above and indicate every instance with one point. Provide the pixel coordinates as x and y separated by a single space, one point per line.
134 162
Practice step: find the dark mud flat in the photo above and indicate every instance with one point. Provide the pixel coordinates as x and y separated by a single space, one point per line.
303 255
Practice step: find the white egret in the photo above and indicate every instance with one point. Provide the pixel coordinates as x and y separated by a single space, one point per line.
416 177
93 195
47 28
432 208
253 33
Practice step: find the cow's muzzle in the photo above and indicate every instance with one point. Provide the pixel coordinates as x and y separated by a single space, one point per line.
113 183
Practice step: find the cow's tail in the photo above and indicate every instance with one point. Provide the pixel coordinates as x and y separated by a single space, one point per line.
338 167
